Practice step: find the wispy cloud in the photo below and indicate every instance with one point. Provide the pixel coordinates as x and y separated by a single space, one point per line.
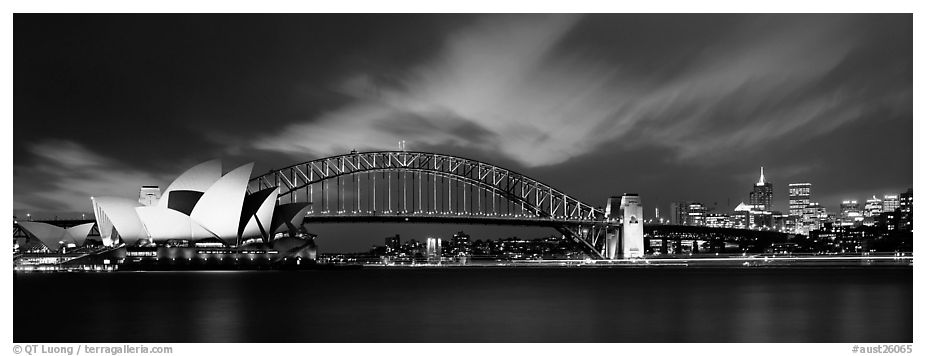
494 79
505 79
66 174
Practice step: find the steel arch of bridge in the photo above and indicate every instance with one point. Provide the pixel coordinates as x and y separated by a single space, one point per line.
514 197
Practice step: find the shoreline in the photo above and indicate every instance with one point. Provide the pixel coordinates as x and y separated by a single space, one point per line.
843 262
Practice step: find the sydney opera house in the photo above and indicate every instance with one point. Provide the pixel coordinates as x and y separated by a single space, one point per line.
201 215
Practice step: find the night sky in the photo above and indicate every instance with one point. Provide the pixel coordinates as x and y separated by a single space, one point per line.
673 107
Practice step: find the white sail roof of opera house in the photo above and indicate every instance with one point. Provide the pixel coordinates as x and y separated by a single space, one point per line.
221 210
197 179
261 221
79 233
114 213
52 236
165 224
287 215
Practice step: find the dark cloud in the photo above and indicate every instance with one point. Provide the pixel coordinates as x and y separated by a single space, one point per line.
671 106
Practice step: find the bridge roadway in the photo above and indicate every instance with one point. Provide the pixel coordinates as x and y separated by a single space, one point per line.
424 217
683 232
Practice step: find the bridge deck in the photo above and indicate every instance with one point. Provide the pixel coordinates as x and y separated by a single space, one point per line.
476 219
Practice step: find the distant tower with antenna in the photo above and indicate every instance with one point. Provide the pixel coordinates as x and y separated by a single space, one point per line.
762 192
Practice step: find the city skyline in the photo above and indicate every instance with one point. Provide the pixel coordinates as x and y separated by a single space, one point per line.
673 107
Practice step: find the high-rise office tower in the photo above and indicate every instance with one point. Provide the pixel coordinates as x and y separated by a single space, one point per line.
814 216
678 213
890 203
798 198
695 214
873 207
761 195
687 213
905 219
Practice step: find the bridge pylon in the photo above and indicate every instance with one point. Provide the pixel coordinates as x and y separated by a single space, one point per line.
631 226
624 235
612 242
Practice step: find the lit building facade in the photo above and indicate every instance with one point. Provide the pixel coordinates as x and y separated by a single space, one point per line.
687 213
625 237
696 214
890 203
460 244
747 216
782 221
433 250
632 226
762 195
905 216
718 220
873 207
798 198
850 213
813 217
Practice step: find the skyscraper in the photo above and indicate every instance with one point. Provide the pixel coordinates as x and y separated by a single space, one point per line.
814 217
905 219
849 212
678 212
761 195
798 198
695 214
906 199
687 213
890 203
873 207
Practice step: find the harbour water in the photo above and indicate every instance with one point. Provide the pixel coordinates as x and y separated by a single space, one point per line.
478 304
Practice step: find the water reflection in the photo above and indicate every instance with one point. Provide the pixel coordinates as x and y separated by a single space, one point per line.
210 302
472 305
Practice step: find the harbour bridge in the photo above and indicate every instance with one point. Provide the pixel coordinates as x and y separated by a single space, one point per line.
422 187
